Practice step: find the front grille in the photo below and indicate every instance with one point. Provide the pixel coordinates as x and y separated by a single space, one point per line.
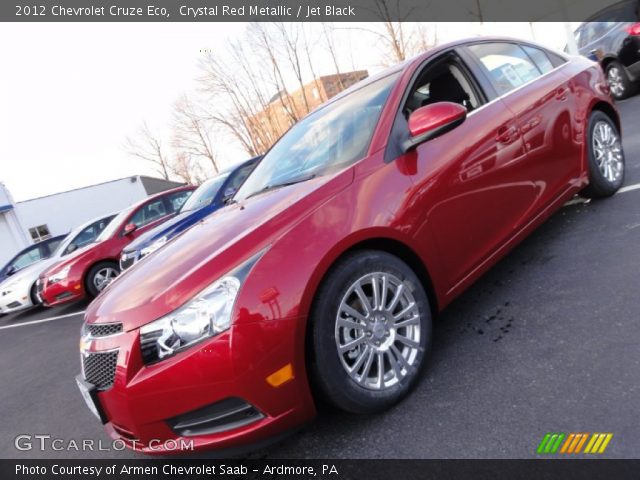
99 368
104 329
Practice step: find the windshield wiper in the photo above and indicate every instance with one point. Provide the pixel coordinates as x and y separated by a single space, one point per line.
293 181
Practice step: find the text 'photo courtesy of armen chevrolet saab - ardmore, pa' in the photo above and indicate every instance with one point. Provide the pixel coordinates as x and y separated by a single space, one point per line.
260 240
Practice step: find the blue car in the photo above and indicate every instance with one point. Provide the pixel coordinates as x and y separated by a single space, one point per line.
209 197
30 255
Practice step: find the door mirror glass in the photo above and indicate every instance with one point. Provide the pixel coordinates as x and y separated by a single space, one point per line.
433 120
130 228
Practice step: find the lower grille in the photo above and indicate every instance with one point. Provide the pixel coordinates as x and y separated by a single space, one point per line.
14 305
99 368
225 415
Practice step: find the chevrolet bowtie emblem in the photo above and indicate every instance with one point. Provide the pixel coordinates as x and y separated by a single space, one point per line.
85 345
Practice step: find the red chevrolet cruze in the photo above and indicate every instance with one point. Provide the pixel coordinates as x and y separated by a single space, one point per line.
92 268
363 221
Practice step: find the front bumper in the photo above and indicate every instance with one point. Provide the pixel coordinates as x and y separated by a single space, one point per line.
14 301
145 404
128 259
67 290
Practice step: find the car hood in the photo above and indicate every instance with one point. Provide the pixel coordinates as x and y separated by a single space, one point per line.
166 228
59 263
31 273
171 276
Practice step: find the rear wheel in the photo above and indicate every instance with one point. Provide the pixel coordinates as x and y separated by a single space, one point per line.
606 157
35 301
370 332
101 275
619 83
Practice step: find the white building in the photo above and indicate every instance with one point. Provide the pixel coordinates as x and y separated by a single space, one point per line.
27 222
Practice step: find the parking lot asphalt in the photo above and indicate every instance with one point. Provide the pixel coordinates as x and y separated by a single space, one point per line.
547 341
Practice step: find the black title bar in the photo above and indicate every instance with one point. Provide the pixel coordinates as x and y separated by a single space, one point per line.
313 10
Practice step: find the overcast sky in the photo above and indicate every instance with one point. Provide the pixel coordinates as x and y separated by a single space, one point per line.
71 93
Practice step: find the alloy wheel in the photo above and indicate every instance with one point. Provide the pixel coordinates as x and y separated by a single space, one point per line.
607 149
615 81
104 277
377 331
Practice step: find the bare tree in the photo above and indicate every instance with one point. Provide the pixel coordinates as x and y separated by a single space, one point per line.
188 169
148 147
290 41
192 132
400 38
328 31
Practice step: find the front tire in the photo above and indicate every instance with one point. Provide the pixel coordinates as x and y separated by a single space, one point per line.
99 276
605 157
370 332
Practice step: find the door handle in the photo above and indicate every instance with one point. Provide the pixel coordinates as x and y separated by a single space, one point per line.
506 133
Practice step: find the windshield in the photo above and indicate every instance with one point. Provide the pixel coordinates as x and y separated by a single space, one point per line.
333 137
204 193
82 236
114 224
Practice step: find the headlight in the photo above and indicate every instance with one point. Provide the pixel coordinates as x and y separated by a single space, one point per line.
9 288
153 247
59 276
206 315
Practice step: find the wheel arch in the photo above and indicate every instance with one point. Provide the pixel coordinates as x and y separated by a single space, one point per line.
85 275
384 243
609 110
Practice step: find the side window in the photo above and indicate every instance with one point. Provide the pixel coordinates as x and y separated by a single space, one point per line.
27 258
176 200
149 213
508 65
51 246
444 81
539 57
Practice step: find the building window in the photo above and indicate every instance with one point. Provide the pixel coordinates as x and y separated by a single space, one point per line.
39 233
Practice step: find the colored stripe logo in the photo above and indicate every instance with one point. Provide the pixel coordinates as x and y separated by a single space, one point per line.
573 443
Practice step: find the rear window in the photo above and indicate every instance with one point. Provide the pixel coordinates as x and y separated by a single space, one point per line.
539 57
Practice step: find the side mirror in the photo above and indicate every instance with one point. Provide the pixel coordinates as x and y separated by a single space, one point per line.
11 269
130 228
72 248
431 121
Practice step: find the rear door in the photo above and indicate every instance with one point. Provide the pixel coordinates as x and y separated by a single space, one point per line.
531 84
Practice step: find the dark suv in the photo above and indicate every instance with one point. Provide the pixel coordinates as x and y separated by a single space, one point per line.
612 38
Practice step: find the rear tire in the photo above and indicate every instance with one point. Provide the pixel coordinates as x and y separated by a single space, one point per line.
99 276
34 296
366 355
605 157
619 82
